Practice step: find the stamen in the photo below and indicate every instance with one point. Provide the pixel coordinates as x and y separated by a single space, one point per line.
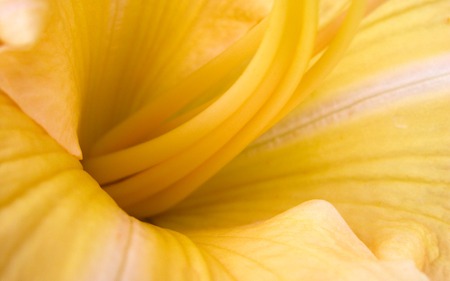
141 126
192 145
173 194
335 51
277 86
106 169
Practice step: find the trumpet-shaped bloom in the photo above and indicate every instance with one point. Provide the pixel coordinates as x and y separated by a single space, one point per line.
156 97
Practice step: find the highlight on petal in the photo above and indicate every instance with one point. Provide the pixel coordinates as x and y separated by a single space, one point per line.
373 140
57 224
21 22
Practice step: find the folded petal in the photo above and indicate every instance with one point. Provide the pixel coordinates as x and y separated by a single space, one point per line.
36 66
56 222
373 140
308 242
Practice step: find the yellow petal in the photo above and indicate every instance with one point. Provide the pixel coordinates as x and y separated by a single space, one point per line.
374 141
57 224
36 67
308 242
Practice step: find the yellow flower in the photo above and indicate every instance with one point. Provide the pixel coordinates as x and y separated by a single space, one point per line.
158 96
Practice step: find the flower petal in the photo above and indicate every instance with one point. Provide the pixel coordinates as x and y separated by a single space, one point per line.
308 242
374 141
57 224
35 67
47 208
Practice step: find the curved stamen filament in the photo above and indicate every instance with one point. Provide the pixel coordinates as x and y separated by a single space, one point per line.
106 168
173 194
141 126
272 94
152 176
137 127
335 51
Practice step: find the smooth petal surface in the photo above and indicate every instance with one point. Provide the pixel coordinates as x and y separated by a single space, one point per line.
57 224
373 140
93 63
